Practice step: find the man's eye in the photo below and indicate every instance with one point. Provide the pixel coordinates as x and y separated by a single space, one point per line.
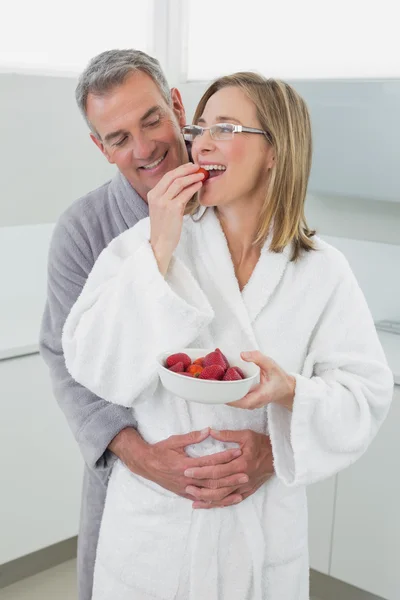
121 142
153 123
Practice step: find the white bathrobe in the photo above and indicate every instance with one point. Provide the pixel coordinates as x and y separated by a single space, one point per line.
311 317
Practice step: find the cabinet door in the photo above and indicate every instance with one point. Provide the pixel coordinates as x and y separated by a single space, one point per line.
41 469
321 502
366 536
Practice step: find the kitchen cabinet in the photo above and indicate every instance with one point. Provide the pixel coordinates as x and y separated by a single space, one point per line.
41 468
321 503
366 532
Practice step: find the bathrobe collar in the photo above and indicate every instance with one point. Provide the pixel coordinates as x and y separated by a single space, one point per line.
264 280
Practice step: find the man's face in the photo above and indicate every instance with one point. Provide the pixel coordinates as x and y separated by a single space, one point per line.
139 131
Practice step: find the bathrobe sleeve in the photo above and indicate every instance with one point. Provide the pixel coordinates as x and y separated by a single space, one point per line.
127 314
342 395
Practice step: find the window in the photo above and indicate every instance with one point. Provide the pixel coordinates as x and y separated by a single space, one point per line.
292 39
63 36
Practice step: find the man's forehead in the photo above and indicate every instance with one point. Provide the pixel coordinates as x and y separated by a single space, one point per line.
131 100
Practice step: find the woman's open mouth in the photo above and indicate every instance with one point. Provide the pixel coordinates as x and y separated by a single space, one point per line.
215 172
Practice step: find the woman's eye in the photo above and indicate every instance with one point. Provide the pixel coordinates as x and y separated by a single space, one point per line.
121 142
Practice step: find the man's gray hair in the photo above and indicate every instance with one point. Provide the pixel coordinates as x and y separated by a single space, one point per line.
110 69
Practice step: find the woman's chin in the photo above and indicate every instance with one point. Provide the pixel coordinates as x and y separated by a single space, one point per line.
207 200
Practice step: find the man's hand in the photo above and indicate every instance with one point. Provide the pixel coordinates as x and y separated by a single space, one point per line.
255 463
166 462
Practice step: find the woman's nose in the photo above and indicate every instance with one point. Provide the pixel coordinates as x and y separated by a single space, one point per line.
204 142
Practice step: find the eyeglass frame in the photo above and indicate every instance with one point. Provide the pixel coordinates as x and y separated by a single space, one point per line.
236 129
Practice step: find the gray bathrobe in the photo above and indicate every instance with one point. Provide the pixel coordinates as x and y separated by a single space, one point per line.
81 233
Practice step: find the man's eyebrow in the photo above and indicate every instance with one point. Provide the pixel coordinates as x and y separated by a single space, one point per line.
114 134
150 112
221 119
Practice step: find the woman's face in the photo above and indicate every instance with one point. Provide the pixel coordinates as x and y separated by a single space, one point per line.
248 157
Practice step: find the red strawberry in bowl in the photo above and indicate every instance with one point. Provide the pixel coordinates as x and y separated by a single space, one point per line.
177 367
176 358
212 372
231 375
239 370
224 357
214 358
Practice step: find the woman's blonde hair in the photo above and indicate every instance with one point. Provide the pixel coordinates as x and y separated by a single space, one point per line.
284 114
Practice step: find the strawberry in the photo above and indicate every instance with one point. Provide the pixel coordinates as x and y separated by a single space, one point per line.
224 357
214 358
239 370
212 372
231 375
205 173
176 358
177 367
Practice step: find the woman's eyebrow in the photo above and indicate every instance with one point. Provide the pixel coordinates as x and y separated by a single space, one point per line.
221 119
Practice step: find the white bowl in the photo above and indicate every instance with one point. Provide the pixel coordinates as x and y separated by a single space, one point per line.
208 391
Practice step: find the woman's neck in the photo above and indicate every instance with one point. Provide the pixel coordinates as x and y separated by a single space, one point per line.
239 224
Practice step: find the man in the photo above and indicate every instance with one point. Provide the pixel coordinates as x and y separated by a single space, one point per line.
135 121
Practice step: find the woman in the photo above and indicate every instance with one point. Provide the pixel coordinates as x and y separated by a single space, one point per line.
241 271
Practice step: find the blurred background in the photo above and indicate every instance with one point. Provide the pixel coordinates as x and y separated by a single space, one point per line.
343 58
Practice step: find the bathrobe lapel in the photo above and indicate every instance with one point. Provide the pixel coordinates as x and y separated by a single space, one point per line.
216 259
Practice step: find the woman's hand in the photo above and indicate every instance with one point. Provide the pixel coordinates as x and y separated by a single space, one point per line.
167 202
275 384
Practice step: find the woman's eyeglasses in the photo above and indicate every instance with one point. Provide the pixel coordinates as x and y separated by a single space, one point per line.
220 131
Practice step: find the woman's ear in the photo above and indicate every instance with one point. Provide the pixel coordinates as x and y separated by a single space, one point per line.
177 106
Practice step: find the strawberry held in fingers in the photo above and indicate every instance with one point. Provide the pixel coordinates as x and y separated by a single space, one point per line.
205 173
179 357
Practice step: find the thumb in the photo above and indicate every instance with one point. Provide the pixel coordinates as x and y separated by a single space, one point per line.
227 435
193 437
259 359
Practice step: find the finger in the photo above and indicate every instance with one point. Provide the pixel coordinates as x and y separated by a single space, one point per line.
227 501
181 184
262 361
229 435
234 481
187 195
186 439
255 399
208 495
234 467
169 177
211 460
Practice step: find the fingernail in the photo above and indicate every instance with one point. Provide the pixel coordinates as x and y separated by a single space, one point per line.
188 473
205 430
237 500
246 354
243 479
237 453
216 431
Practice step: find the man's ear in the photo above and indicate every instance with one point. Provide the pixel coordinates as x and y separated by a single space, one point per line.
100 146
177 106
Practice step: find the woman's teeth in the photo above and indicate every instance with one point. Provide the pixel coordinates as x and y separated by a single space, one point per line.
214 167
155 163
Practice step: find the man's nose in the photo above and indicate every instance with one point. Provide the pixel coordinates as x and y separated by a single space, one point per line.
143 147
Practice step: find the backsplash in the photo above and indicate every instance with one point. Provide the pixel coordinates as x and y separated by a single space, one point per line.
377 269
